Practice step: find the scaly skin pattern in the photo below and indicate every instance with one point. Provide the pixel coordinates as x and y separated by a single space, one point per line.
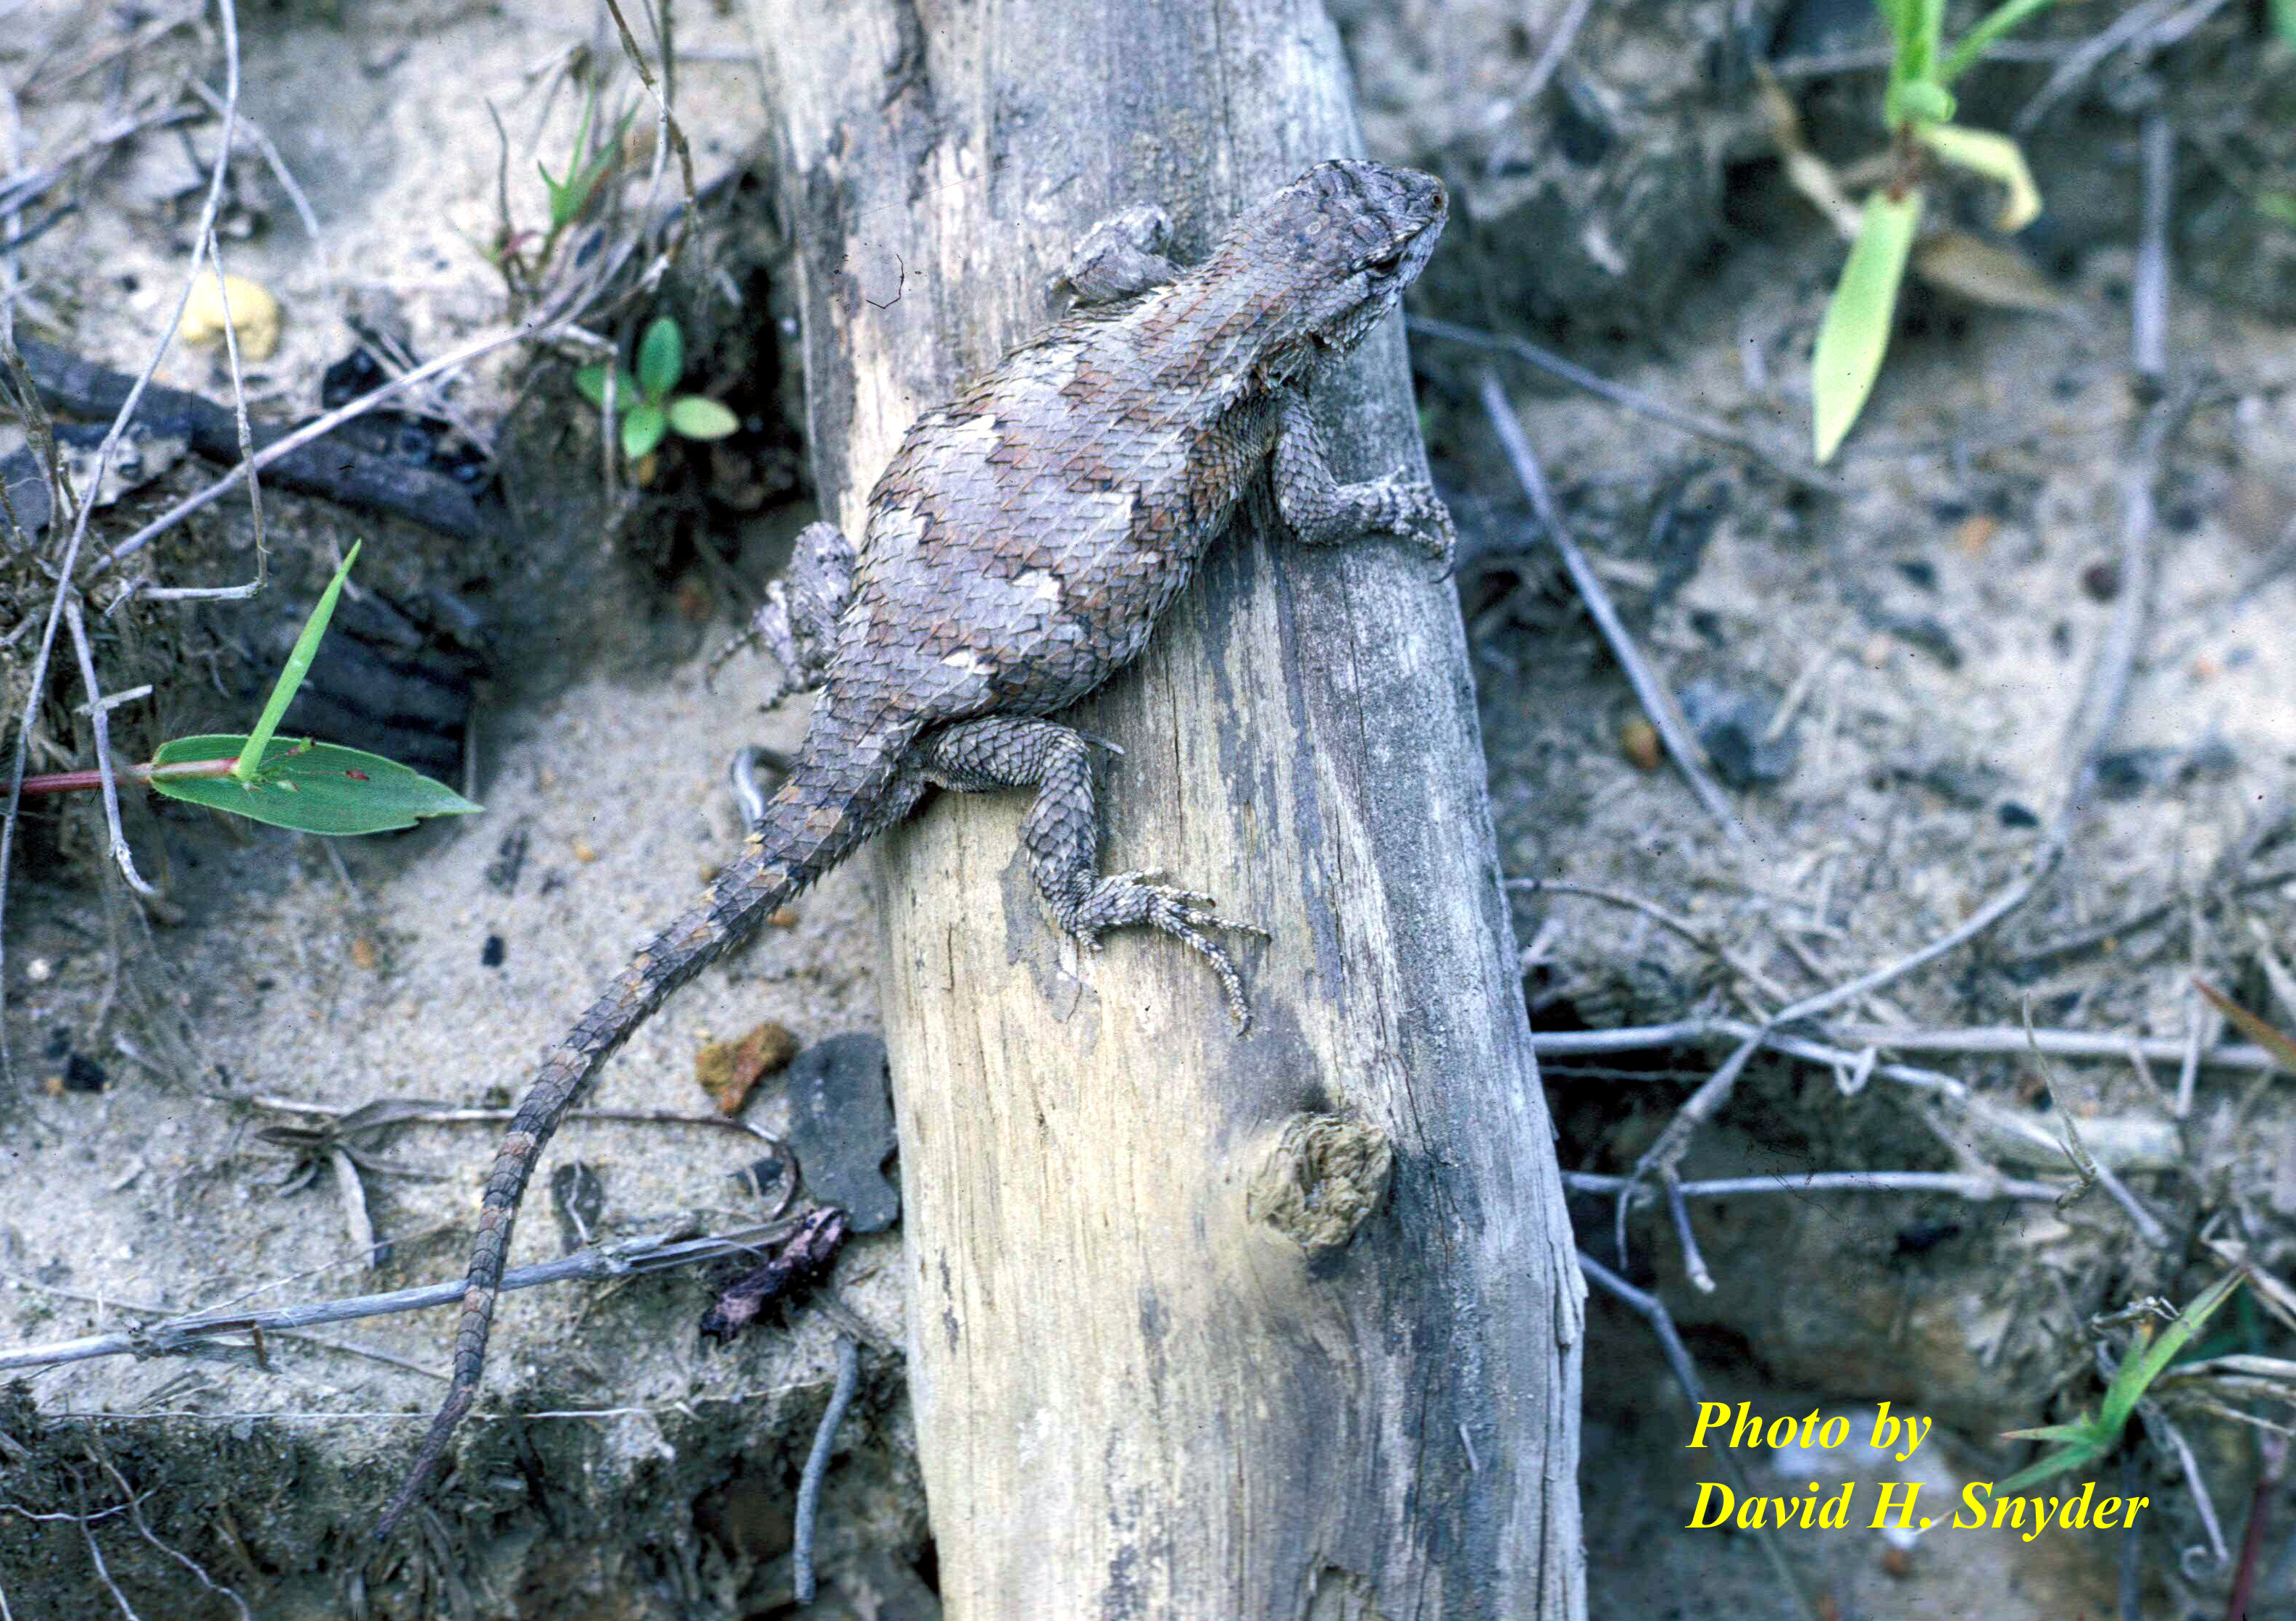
1019 548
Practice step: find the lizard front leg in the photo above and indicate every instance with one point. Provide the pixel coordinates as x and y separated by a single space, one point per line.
1322 511
797 623
1061 834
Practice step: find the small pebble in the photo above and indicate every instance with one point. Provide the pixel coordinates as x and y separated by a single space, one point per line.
782 917
254 315
2102 579
730 1071
365 957
1638 741
39 970
490 955
1976 533
584 852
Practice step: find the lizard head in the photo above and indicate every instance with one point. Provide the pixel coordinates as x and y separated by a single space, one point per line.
1341 242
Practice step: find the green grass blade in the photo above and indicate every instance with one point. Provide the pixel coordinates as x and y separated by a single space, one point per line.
2140 1368
312 787
1980 40
1856 331
1914 26
297 666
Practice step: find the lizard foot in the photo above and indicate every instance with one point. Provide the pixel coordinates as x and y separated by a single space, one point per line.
1126 899
1413 511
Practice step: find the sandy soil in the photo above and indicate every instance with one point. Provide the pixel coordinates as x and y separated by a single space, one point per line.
1933 631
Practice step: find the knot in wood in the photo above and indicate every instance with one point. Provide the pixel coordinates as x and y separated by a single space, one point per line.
1320 1180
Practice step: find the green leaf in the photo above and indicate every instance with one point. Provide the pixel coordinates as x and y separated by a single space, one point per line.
697 418
661 358
297 666
1856 331
1997 159
1980 40
590 383
313 787
642 427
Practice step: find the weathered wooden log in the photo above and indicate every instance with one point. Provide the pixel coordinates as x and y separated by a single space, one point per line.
1177 1346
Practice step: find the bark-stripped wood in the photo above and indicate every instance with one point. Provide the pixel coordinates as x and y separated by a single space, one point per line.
1284 1326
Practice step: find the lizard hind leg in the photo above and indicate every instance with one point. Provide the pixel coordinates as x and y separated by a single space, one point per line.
797 623
1061 834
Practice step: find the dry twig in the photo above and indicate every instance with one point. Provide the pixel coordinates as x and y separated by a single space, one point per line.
173 1335
1656 701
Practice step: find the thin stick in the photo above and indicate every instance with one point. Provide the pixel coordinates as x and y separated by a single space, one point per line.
654 1253
1975 1040
285 176
96 1555
2085 60
1630 399
817 1466
246 460
136 1513
1558 45
35 689
1658 702
1961 1184
318 428
348 1347
2148 289
1694 1261
1685 1032
100 718
2090 938
1676 924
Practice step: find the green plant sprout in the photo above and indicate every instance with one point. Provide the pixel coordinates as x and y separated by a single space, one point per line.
648 409
310 787
1918 108
2088 1439
570 196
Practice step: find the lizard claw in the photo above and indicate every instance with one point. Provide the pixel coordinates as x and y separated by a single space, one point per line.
1127 899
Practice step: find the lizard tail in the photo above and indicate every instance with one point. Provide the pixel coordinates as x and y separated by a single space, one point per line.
837 796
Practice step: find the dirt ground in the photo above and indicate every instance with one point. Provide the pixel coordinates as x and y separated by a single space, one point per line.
1900 668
